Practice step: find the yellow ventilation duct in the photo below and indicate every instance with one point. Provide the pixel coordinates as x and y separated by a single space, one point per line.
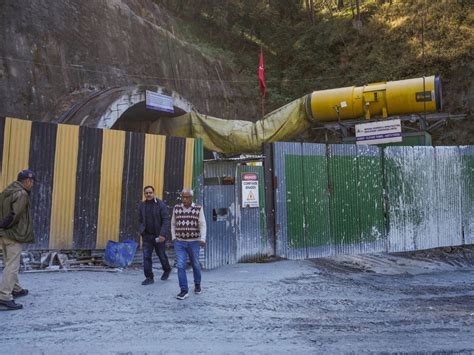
288 122
390 98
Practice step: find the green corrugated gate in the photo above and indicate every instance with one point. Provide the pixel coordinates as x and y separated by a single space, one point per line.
351 199
328 199
307 201
316 200
356 200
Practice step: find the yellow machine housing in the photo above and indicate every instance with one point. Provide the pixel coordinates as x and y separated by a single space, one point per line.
385 99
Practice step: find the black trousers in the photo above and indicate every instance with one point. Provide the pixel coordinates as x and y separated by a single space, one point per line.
149 244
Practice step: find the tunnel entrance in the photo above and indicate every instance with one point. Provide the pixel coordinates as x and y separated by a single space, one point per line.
138 118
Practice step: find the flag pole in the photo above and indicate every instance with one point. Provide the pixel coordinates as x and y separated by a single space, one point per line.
263 119
263 87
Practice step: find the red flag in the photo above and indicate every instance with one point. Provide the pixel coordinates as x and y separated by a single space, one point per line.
261 74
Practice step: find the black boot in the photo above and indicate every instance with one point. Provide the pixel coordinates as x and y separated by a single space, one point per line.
165 275
21 293
10 305
148 281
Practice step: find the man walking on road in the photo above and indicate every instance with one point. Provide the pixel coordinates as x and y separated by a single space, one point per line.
16 228
154 228
188 230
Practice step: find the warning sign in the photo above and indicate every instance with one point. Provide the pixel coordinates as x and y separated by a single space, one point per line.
249 190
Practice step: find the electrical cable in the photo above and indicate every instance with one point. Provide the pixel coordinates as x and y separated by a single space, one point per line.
80 68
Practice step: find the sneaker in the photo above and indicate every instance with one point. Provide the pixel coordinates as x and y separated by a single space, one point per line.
165 275
197 289
10 305
182 295
148 281
21 293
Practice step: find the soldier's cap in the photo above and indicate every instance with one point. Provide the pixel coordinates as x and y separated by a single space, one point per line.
26 174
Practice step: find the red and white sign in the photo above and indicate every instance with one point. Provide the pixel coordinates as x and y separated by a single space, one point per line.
250 190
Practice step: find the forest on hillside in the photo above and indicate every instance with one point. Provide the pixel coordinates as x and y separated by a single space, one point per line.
318 44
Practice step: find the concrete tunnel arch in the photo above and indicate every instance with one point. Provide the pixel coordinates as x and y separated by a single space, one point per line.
122 108
129 111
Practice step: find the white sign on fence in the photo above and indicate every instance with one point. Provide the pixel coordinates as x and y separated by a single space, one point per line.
249 190
379 132
159 102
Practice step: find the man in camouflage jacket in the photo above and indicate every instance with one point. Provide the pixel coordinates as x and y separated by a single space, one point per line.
16 229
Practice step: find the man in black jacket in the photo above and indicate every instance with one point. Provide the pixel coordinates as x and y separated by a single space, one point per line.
154 228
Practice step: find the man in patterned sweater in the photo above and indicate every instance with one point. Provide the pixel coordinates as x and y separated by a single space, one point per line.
188 230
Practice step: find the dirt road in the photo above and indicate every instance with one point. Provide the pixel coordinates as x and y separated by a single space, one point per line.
353 304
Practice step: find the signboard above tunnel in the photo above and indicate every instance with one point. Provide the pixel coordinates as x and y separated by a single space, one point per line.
155 101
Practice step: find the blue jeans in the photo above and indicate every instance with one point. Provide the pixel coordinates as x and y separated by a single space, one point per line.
149 245
182 251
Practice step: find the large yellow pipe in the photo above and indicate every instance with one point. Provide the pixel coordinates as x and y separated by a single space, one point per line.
288 122
379 99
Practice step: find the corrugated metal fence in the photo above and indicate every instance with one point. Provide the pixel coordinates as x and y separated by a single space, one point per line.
91 180
467 193
349 199
430 196
322 199
328 199
236 233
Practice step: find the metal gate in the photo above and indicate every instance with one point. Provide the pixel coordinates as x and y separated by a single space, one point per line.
236 233
329 200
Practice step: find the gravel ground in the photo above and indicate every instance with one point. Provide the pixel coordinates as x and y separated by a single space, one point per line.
374 303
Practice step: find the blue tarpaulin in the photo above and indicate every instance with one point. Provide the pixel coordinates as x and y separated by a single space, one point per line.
120 254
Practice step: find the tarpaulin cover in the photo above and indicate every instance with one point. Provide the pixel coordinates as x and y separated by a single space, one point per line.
120 254
236 136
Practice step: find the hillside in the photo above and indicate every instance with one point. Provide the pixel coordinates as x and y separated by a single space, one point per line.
55 56
332 47
76 64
